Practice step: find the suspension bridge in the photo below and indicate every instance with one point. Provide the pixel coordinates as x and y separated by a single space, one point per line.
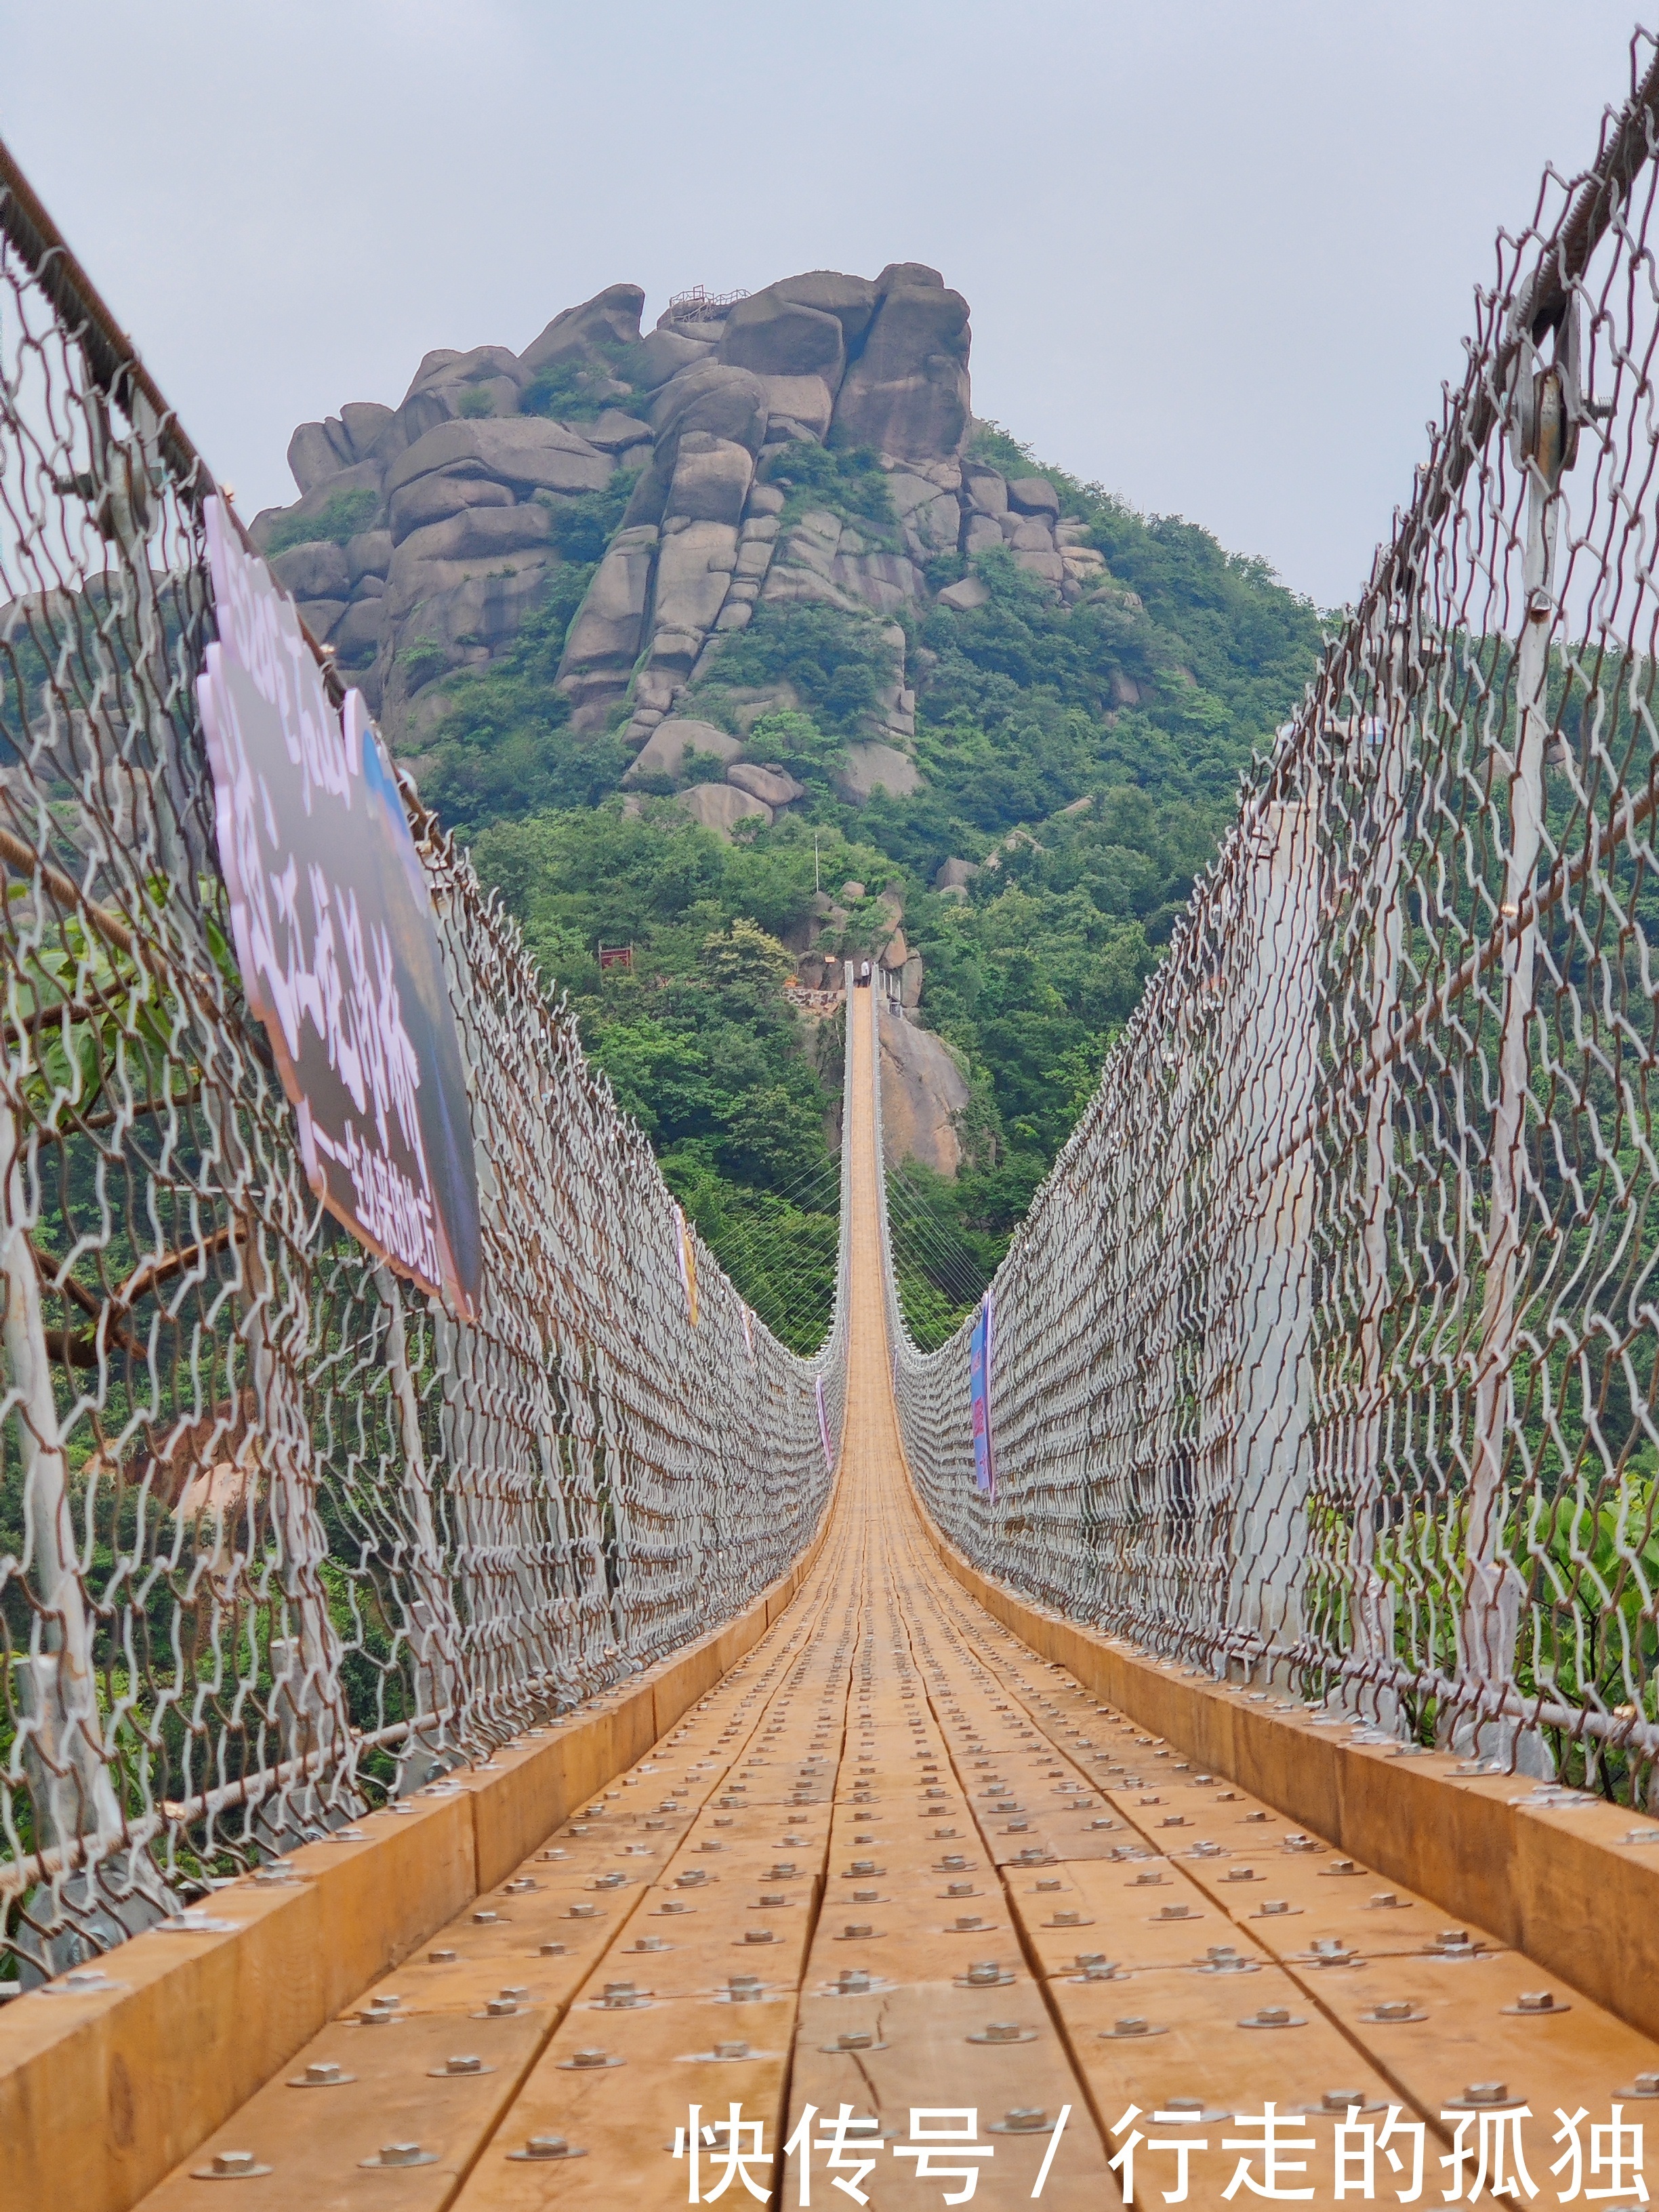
483 1723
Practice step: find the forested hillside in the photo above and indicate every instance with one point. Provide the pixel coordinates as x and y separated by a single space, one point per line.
1003 711
1028 976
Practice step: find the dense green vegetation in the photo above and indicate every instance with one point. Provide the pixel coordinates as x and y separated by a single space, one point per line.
846 479
339 517
835 664
1145 702
697 1040
940 1267
580 390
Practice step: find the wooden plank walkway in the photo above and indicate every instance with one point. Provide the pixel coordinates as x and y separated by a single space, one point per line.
895 1864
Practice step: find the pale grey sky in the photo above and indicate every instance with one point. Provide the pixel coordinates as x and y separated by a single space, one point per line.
1219 257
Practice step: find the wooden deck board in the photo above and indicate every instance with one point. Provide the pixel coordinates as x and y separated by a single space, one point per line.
887 1735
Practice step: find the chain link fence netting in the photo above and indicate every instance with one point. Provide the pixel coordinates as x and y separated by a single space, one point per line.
1326 1356
279 1537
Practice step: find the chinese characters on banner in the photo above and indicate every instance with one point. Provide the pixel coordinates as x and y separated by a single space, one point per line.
1388 2159
332 920
978 1395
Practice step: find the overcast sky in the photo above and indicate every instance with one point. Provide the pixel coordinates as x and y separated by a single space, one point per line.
1219 257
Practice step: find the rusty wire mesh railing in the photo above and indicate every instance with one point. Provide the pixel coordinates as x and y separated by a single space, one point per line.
1327 1354
279 1536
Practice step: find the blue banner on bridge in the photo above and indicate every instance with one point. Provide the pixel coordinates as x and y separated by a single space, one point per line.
979 1394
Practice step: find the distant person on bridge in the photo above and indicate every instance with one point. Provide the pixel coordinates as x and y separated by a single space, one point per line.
864 975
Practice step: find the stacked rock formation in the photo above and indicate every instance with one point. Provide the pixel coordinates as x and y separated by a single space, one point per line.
454 497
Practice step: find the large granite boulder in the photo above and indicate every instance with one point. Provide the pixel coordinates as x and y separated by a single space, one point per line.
606 633
799 407
315 504
851 300
416 584
664 752
964 595
465 614
318 571
662 354
357 638
611 318
435 498
769 785
527 454
872 767
485 377
930 519
884 582
907 275
726 401
450 365
617 433
907 393
986 491
694 568
648 501
477 533
1049 565
366 423
419 414
368 554
312 458
711 478
777 337
1033 496
922 1093
721 806
322 617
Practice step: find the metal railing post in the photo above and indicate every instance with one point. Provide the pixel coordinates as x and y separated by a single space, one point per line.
1271 1455
1494 1590
1393 732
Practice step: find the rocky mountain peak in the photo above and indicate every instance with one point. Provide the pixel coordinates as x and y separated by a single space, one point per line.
610 319
802 445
